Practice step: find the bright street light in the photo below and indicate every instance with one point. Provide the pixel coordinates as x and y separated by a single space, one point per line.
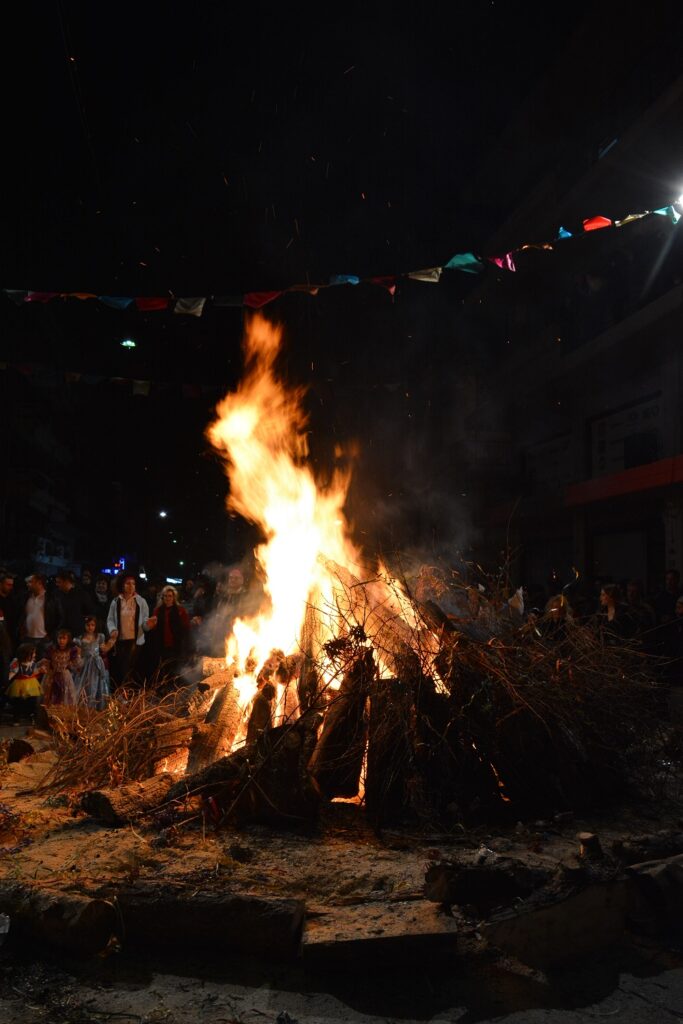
162 515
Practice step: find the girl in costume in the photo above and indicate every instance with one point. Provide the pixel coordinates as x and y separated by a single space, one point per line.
64 660
93 680
25 688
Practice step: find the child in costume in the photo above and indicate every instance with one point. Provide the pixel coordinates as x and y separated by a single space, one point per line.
25 674
93 680
64 661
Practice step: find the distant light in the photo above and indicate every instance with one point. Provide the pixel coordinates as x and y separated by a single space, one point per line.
181 563
173 579
679 201
142 575
162 514
175 541
128 343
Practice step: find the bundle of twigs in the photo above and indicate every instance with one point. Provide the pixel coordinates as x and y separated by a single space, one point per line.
130 739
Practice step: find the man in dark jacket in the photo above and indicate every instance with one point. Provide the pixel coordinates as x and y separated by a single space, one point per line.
73 603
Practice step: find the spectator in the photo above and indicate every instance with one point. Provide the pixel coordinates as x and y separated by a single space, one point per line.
41 615
187 600
25 687
614 620
73 603
93 679
9 606
127 623
64 661
169 636
101 602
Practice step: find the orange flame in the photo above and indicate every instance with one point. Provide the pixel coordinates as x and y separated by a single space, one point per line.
261 433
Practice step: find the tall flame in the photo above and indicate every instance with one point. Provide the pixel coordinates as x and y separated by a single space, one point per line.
261 432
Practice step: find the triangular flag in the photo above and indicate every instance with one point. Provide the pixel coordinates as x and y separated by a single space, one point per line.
256 300
631 217
344 279
505 262
563 233
465 261
115 301
432 275
191 307
40 296
669 211
151 304
385 282
596 223
77 295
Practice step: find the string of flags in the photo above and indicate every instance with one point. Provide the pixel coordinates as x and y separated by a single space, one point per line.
464 262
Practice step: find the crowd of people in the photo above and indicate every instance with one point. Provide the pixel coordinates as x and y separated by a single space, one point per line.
71 641
617 613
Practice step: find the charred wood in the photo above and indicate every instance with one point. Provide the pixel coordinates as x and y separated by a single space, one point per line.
127 803
215 735
338 757
63 921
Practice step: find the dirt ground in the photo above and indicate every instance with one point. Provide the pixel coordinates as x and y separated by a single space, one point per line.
340 862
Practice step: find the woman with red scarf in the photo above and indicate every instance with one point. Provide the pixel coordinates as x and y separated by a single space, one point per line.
169 637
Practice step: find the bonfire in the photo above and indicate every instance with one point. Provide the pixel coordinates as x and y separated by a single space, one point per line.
354 682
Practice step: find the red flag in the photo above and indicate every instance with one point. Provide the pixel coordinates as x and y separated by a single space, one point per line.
385 282
255 300
595 223
151 305
40 296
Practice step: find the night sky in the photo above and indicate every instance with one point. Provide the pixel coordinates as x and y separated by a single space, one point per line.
201 150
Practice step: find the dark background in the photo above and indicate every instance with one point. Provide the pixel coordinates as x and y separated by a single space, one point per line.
207 150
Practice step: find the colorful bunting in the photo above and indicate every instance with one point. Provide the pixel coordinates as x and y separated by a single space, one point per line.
344 279
151 305
465 262
596 223
505 262
432 275
190 307
669 211
257 300
116 301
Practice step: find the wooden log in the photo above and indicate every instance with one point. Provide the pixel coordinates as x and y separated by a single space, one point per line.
172 741
156 918
64 921
338 757
214 737
266 781
389 761
261 717
365 604
127 803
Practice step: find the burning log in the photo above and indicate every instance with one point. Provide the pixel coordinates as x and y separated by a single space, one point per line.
391 636
338 757
127 803
215 735
264 781
390 760
67 922
261 717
